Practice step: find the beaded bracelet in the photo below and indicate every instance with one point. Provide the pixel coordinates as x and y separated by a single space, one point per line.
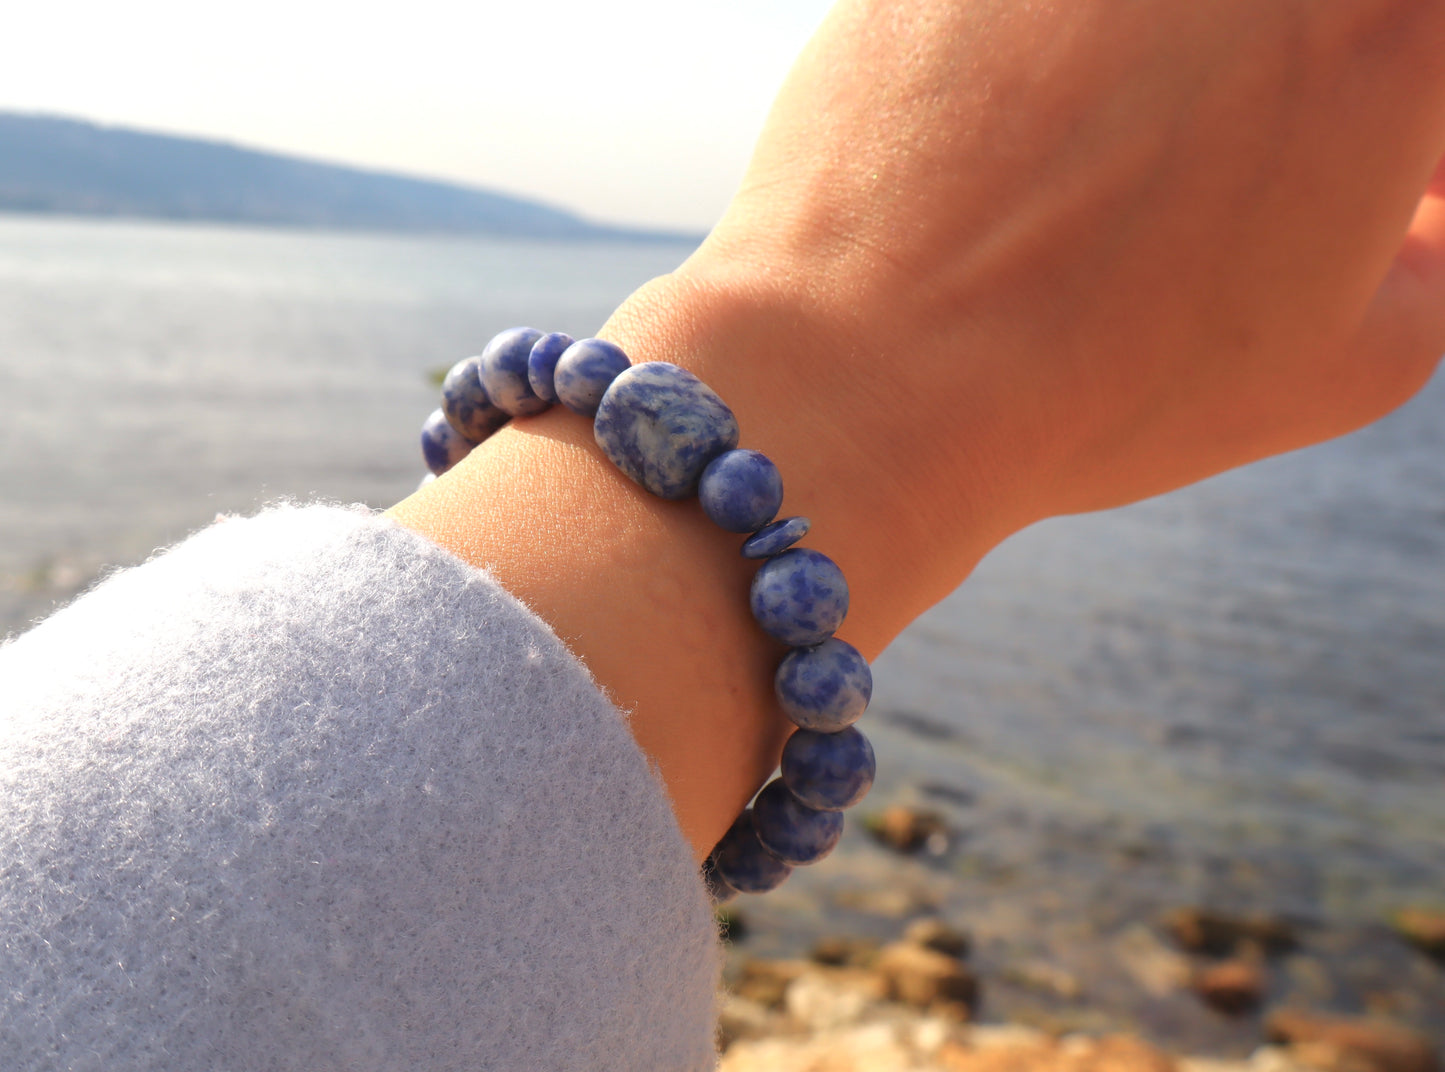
672 434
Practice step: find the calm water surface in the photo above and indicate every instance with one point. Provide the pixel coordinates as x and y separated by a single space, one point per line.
1233 695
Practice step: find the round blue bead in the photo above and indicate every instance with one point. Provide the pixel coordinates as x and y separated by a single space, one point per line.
503 371
779 536
440 445
465 402
792 831
800 597
661 425
825 687
829 771
542 363
585 372
741 490
741 861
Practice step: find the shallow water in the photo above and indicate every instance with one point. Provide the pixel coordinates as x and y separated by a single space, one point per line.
1233 694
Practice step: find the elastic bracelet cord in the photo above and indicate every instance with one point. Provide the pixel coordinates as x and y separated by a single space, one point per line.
671 433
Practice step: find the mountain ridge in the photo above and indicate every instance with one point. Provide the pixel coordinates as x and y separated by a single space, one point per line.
62 165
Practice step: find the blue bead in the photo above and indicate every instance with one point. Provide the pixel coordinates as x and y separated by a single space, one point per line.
465 402
503 372
792 831
741 490
661 425
585 372
743 863
440 445
800 597
824 688
779 536
829 771
542 364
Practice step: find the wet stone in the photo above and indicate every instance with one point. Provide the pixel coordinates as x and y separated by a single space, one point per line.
661 426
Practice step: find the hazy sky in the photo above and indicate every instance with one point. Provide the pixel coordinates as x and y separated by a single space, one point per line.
635 110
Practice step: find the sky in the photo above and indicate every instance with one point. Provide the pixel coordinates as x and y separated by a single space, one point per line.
632 111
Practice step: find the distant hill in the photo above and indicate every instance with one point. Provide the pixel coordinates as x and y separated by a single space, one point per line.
68 166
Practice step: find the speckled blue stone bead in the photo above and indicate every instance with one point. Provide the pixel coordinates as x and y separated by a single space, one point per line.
661 425
465 402
792 831
800 597
741 490
824 688
585 372
742 862
503 371
779 536
542 363
829 771
441 446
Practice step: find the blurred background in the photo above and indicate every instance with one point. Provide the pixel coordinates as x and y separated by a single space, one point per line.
1232 697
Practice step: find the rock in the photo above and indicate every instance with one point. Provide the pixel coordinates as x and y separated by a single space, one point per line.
1233 987
1111 1053
832 997
923 977
843 951
1352 1044
1045 978
880 1047
766 981
742 1018
907 830
933 933
890 902
1423 928
1159 970
1200 930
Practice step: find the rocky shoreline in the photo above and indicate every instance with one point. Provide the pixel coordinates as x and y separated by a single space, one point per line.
917 1001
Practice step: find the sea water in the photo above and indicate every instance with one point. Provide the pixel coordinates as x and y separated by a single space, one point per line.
1232 695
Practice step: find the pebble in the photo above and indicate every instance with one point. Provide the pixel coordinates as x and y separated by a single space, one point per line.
661 425
1380 1045
829 771
1203 930
441 446
921 977
936 934
907 830
502 369
792 831
542 364
1424 928
586 371
465 402
801 598
1233 987
779 536
740 490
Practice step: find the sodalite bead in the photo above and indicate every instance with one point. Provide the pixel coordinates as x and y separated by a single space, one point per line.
585 372
824 688
792 831
440 445
465 402
779 536
829 771
542 363
800 597
661 425
741 490
503 371
741 861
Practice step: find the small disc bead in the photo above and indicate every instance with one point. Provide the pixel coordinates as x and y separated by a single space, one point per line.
829 771
542 364
792 831
800 597
585 371
775 538
825 687
743 864
740 490
503 372
441 445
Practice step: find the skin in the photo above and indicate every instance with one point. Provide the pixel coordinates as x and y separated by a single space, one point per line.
992 262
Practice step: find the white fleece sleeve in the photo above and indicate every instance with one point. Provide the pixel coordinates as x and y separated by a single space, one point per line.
306 792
